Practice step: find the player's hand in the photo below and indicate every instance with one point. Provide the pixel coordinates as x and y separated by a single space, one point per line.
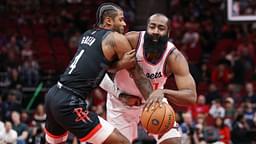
155 98
128 60
130 100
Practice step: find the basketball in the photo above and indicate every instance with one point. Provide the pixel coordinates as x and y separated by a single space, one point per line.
158 120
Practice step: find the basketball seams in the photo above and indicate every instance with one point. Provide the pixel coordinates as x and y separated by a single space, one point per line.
158 120
162 117
149 119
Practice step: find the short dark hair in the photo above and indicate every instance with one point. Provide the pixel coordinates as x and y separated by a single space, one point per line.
106 10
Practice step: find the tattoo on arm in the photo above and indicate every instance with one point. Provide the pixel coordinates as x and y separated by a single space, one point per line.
177 56
110 40
141 81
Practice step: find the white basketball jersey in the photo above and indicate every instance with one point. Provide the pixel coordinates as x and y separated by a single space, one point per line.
154 72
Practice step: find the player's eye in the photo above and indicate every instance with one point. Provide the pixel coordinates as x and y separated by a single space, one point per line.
152 26
161 28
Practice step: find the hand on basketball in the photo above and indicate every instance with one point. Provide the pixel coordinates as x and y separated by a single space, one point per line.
130 100
155 98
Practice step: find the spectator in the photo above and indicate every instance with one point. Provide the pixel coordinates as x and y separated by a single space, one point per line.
11 104
229 111
198 136
224 131
246 48
37 136
234 91
212 94
25 118
14 76
211 135
217 110
205 73
240 130
221 75
250 95
27 51
39 116
239 70
20 128
200 108
248 113
8 135
187 128
13 44
30 72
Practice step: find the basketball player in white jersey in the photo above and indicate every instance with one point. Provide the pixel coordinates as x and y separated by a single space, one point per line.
159 59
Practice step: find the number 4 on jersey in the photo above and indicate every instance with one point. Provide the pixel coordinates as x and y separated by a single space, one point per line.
73 65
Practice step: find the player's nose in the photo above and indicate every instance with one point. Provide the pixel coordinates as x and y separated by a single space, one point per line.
155 31
124 23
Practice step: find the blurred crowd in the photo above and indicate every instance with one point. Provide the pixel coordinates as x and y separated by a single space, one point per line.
221 57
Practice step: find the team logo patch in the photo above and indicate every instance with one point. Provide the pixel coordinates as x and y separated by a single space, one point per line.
82 115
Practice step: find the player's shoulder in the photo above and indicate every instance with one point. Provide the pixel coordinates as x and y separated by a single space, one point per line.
133 37
170 44
173 50
114 36
132 33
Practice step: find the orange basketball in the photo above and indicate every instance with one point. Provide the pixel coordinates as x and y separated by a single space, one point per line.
159 120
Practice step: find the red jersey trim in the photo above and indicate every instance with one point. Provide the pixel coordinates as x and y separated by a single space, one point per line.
55 136
91 133
164 67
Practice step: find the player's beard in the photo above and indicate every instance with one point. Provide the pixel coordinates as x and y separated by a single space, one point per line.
151 46
118 29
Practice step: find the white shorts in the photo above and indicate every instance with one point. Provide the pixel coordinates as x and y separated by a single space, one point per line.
96 137
126 119
122 117
172 133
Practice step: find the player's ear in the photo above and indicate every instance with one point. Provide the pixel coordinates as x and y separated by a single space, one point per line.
109 21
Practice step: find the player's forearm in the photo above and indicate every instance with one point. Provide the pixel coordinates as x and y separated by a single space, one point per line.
182 97
116 67
141 81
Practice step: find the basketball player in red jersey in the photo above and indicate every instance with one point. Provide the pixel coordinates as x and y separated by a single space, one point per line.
159 59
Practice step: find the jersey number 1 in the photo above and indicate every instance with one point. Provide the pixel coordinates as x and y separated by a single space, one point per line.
73 65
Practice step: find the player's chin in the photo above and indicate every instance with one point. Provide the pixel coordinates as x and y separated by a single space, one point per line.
121 30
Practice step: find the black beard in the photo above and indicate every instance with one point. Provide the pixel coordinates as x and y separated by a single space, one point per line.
155 47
